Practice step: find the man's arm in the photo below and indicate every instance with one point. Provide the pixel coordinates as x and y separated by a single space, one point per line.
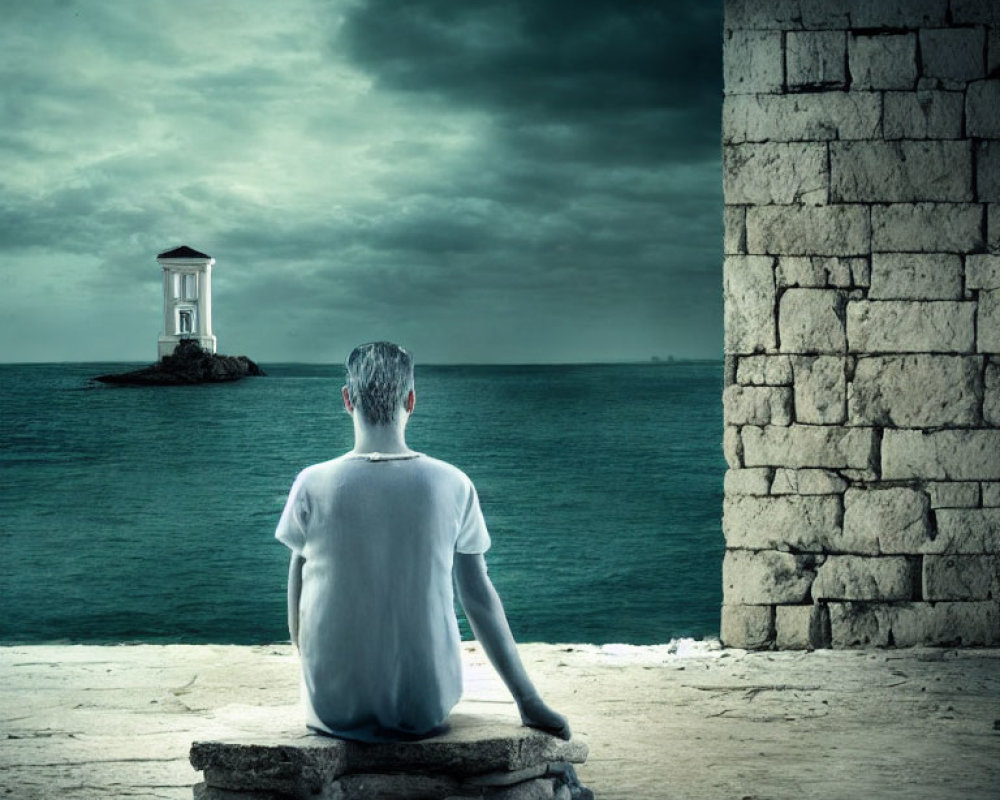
294 591
489 623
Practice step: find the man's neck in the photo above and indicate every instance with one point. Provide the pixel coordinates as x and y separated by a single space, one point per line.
387 439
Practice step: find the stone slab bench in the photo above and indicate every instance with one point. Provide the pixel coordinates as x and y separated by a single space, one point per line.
478 757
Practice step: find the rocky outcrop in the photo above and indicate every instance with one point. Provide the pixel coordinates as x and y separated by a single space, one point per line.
189 364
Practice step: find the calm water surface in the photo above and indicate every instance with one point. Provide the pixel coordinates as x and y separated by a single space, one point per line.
147 514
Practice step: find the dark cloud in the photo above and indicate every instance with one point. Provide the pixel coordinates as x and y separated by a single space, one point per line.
600 81
499 180
566 58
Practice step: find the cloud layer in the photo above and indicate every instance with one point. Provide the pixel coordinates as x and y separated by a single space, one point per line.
494 181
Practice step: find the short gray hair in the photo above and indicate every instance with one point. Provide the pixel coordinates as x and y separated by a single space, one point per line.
379 377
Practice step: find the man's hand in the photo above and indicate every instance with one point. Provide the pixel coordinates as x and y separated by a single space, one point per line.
535 714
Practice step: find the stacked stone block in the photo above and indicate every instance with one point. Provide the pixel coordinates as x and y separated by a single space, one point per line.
478 758
861 166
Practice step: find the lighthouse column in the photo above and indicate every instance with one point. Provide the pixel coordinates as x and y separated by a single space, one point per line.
168 305
205 306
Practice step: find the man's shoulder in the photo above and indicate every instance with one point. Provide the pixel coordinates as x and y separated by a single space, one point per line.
444 468
321 470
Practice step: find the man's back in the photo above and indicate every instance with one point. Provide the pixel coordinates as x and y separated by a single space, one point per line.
378 636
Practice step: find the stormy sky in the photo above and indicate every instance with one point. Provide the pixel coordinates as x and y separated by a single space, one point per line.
484 181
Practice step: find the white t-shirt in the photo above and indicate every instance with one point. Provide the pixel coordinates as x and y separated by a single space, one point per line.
378 637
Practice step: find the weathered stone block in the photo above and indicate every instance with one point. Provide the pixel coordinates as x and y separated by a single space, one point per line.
801 117
955 54
800 627
914 391
751 61
760 577
852 475
820 389
988 321
861 272
993 50
748 285
966 12
772 523
841 230
993 227
991 394
826 15
911 624
821 272
988 171
732 447
860 578
735 227
955 577
859 624
757 405
816 59
775 173
885 521
916 276
823 15
800 446
788 14
897 13
764 371
754 481
957 455
966 530
749 627
982 271
240 785
728 370
884 61
963 624
982 109
900 171
923 115
903 326
811 321
991 494
950 494
927 228
807 481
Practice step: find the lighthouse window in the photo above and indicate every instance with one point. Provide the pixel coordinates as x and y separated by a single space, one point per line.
176 285
184 322
190 286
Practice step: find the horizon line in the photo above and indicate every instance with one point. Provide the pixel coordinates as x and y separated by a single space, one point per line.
624 362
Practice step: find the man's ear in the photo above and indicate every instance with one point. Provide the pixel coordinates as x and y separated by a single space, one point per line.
411 402
347 400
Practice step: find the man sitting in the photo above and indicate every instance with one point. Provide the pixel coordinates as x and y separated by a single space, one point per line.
376 536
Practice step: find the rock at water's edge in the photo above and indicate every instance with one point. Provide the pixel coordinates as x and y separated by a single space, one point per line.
189 364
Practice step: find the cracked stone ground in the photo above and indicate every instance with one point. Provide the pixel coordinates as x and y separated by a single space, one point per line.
101 722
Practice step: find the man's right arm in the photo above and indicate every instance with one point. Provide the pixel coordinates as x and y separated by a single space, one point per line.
489 623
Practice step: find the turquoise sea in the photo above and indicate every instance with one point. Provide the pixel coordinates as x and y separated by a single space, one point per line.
147 514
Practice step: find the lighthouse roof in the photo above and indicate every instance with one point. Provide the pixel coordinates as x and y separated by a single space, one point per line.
183 252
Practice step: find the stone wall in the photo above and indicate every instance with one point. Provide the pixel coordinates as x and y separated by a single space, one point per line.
862 322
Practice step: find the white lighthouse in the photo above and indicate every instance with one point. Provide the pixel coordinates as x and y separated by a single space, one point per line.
187 299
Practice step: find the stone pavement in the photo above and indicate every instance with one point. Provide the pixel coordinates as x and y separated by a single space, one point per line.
668 721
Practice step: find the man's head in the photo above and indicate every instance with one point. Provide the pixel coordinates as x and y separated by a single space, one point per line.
379 381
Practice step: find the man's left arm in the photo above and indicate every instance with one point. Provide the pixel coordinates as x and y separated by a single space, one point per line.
294 593
489 623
